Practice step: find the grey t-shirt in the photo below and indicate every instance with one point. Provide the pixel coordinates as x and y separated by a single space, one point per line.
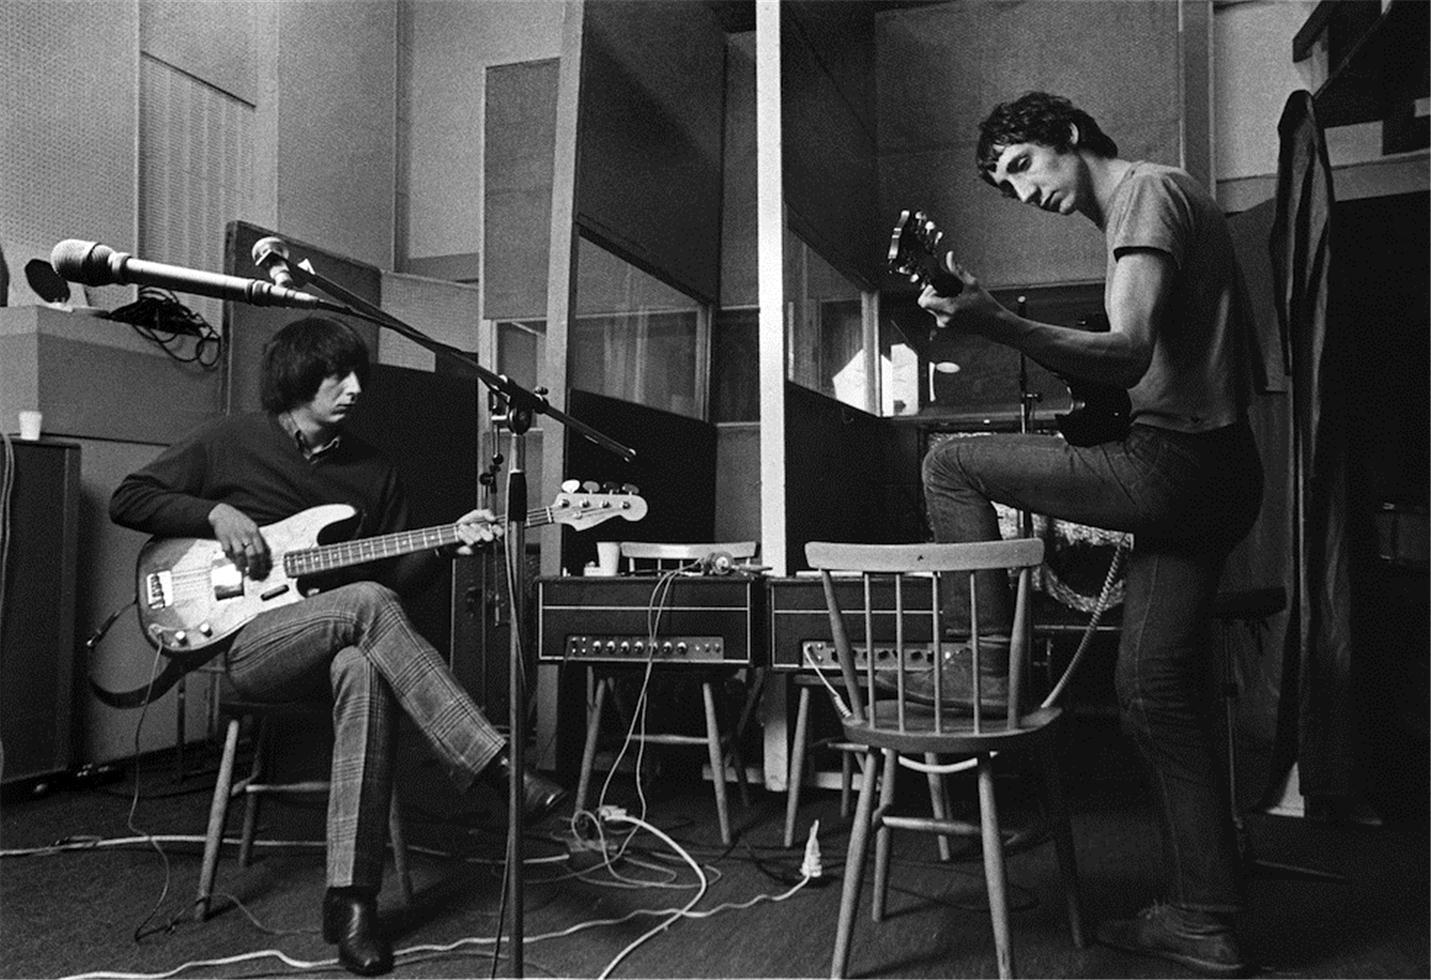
1199 378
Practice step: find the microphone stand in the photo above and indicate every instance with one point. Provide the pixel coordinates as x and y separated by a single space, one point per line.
521 406
1026 404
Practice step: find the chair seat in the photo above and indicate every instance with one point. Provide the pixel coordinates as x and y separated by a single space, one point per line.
957 735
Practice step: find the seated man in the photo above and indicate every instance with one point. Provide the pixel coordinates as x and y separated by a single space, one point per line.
243 472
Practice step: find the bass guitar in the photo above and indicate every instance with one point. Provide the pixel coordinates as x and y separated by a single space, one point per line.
1099 413
192 598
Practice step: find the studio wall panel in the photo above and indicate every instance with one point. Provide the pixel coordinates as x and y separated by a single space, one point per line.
68 89
650 137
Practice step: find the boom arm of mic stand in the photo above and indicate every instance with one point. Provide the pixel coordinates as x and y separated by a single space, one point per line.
518 398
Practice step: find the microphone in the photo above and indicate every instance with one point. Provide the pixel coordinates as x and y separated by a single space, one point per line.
94 264
271 255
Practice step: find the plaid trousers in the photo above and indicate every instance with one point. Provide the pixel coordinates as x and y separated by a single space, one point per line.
357 642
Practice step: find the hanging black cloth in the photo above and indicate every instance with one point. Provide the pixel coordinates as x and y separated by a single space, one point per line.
1315 723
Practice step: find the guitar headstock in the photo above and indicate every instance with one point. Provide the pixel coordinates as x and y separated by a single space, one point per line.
581 509
914 253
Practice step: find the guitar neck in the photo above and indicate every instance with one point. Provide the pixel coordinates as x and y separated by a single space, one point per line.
331 557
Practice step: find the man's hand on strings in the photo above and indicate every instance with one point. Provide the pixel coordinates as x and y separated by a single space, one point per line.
241 540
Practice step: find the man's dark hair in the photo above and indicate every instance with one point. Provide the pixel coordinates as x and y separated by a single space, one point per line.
300 356
1038 117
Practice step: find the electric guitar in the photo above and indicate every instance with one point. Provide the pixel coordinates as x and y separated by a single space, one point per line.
192 598
1100 412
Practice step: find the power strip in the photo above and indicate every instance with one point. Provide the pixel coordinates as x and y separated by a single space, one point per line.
583 854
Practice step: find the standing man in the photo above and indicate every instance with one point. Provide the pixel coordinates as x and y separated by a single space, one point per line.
1186 480
353 640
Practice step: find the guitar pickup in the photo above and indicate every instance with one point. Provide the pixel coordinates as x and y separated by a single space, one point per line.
227 581
158 589
273 593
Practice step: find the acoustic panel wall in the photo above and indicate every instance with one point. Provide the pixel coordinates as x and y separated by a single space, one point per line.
336 104
827 105
196 172
520 138
650 136
68 88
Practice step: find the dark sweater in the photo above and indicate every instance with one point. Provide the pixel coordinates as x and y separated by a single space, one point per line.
252 464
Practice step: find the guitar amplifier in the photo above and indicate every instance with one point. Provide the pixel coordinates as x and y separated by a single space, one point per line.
800 636
698 620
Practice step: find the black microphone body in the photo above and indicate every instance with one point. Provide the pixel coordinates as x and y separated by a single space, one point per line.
99 265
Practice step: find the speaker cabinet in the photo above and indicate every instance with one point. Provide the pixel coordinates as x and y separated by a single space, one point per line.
37 646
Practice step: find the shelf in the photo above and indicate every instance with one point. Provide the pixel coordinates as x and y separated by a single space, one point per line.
1383 70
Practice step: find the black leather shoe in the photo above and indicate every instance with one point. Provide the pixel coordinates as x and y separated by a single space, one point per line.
351 921
1202 941
540 796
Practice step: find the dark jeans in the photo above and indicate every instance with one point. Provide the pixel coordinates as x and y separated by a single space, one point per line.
357 643
1187 499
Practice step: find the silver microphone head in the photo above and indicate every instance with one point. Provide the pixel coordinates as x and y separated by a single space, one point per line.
271 255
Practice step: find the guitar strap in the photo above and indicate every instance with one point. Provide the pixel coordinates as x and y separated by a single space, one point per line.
157 686
140 696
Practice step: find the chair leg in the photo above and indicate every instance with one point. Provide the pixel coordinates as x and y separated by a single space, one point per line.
938 803
218 816
883 835
994 875
854 867
255 776
797 765
1063 843
717 762
597 692
399 841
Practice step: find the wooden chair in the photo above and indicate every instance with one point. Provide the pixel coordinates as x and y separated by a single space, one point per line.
640 557
895 730
254 786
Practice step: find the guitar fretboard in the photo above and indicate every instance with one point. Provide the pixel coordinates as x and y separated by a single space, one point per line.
329 557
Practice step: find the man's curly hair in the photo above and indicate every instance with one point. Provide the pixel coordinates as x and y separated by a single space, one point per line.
1038 117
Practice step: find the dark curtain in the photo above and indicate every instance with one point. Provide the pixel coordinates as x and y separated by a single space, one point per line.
1314 727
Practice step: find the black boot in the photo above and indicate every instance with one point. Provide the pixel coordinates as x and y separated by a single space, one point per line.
350 919
540 796
1202 941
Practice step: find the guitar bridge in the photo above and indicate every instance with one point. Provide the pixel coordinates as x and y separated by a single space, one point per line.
158 589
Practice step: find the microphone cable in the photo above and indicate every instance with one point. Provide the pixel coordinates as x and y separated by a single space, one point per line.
159 317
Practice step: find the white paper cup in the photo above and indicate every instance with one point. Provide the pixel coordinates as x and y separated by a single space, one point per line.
608 555
30 425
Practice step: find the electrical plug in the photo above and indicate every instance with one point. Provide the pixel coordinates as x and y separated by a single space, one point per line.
810 866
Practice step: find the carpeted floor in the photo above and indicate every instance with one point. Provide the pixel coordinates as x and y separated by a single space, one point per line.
67 912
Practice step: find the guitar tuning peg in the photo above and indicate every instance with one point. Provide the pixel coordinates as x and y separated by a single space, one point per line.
570 486
611 487
590 486
630 488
